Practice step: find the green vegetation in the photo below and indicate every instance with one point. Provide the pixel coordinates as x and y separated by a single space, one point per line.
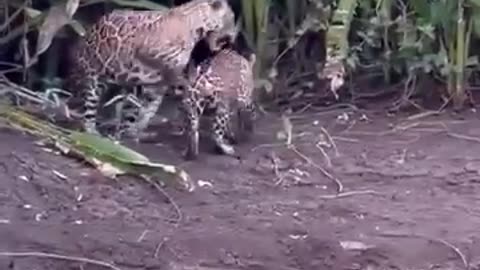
401 39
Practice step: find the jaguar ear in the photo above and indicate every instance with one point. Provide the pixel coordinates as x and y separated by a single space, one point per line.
217 4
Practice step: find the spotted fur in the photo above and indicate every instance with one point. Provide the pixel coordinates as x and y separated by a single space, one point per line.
149 49
221 85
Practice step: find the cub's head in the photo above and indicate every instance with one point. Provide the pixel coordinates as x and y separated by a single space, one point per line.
222 17
211 19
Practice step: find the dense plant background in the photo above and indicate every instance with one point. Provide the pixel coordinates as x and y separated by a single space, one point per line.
398 45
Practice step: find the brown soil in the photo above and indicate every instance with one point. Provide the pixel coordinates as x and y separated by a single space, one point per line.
409 202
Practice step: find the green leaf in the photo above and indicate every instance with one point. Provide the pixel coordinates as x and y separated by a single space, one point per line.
111 158
95 143
475 2
140 4
78 27
422 8
32 13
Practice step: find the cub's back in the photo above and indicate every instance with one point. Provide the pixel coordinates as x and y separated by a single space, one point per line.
227 74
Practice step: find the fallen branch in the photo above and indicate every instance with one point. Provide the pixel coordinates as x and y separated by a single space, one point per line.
441 241
463 137
59 257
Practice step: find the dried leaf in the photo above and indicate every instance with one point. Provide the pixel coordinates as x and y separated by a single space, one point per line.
140 4
107 169
354 245
78 27
32 13
71 7
56 18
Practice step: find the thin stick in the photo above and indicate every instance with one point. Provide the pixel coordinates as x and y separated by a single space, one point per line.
276 170
344 139
405 126
347 194
463 137
266 145
142 236
324 153
423 115
169 198
330 140
441 241
327 174
59 257
10 19
157 249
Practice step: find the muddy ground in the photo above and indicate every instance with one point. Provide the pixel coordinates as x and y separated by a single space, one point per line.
410 200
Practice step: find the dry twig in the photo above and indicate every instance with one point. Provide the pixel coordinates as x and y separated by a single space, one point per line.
324 153
330 140
325 172
59 257
344 139
463 137
278 176
405 126
334 109
441 241
347 194
170 200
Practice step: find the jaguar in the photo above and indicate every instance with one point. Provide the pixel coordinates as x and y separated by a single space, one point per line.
221 86
147 49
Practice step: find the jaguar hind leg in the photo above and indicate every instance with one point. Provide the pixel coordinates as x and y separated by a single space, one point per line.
91 102
138 119
245 125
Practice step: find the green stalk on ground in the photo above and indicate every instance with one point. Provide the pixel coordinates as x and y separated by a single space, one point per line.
110 158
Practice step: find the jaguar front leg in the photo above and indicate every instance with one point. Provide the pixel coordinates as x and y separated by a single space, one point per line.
220 131
191 114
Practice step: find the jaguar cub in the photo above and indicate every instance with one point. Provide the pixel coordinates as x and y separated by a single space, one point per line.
149 49
221 85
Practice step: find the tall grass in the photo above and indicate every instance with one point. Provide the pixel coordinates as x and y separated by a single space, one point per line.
401 37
